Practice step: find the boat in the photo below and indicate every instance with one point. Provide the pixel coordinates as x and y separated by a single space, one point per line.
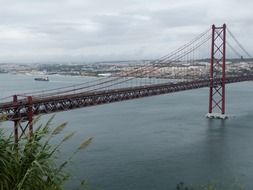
42 79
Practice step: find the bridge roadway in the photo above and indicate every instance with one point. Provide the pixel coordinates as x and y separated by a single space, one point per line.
19 111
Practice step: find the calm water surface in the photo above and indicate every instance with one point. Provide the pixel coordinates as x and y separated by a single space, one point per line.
154 143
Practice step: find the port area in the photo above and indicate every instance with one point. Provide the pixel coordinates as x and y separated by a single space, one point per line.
216 116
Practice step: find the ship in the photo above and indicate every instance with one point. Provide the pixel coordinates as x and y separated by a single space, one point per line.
42 79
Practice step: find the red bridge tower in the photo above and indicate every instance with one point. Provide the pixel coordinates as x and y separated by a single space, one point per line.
217 73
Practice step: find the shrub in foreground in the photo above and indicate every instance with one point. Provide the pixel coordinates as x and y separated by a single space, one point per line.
32 163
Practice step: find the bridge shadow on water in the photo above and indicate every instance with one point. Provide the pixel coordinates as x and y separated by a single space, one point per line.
226 150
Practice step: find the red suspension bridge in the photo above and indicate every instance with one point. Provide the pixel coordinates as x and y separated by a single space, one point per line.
127 85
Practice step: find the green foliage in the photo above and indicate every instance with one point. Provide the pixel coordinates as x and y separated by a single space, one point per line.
31 164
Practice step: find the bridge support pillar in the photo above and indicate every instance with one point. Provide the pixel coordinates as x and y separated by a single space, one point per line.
15 102
21 124
30 115
217 73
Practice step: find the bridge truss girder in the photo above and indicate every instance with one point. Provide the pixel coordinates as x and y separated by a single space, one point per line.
21 111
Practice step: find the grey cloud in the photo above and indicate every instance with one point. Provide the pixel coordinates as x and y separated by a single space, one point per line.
82 30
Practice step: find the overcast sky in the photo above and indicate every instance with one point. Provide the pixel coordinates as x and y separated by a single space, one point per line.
95 30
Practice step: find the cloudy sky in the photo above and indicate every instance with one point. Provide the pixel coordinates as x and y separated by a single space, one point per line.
95 30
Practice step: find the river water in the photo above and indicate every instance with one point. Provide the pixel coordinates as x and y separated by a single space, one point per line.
154 143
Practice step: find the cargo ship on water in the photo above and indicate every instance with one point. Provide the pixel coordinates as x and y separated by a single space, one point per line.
42 79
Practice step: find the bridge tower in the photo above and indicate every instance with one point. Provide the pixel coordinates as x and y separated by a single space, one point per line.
217 73
22 118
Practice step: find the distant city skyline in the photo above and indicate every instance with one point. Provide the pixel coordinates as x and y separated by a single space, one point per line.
93 30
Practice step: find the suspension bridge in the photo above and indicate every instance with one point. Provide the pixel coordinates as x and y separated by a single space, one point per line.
160 76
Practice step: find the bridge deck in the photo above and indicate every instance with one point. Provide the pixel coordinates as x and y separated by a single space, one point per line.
46 105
